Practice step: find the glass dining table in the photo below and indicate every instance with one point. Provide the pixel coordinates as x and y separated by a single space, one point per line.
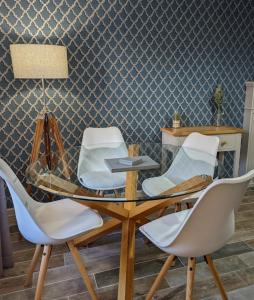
127 190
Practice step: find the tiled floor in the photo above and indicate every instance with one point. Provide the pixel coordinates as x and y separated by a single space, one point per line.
235 262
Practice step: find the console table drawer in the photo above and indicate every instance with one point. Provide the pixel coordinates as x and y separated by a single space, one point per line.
228 142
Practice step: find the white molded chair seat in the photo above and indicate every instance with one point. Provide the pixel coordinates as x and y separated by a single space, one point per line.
97 145
162 231
66 219
156 185
103 180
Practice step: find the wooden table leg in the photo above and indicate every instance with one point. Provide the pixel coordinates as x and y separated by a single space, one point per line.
127 255
127 260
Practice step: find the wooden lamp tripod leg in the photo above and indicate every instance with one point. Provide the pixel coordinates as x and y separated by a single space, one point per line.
46 125
59 143
36 144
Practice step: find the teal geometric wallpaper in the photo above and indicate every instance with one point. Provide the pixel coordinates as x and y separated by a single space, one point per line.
132 63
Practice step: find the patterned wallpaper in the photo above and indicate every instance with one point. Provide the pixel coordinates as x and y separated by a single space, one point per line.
132 63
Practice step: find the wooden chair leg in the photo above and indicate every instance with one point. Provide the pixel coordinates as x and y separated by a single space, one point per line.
81 267
216 277
162 212
190 277
32 266
178 207
189 205
43 270
117 194
163 271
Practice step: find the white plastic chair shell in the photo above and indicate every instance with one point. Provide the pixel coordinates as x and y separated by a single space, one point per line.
98 144
47 223
207 226
196 148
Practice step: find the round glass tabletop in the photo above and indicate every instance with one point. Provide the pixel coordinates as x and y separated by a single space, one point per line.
118 172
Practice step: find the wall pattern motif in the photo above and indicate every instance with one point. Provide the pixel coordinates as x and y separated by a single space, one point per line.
132 63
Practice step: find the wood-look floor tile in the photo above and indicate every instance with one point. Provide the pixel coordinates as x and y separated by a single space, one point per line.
8 285
245 215
232 249
248 198
246 206
51 291
247 275
107 293
107 239
250 243
90 253
21 267
202 289
245 224
247 258
242 235
142 269
246 293
27 254
141 287
59 274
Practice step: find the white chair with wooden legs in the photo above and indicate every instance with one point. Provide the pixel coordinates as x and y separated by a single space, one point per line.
199 231
49 224
98 144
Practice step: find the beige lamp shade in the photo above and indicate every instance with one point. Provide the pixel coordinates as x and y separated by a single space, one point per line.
39 61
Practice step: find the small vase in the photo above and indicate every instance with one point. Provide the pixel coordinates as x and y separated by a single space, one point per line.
219 116
176 123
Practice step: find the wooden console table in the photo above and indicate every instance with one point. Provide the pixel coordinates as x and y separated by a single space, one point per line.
230 139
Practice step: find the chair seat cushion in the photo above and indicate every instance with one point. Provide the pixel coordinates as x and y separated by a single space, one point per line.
65 219
162 231
156 185
103 180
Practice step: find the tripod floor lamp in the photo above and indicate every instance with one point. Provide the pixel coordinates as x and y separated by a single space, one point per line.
35 61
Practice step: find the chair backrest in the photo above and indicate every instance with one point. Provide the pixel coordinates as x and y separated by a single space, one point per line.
98 144
197 156
25 207
203 143
96 137
211 222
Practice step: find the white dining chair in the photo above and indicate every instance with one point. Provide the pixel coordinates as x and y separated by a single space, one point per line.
197 156
199 231
49 224
97 145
